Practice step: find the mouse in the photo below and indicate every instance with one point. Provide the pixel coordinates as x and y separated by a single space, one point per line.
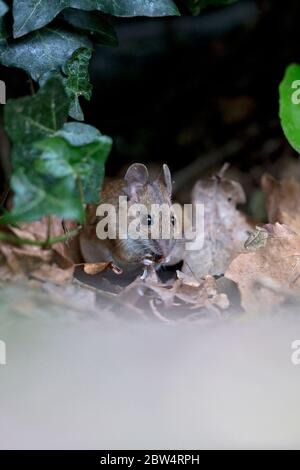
137 188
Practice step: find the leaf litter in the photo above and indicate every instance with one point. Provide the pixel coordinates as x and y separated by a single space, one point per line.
225 227
263 262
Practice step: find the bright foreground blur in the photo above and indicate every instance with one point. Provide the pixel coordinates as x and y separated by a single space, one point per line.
89 384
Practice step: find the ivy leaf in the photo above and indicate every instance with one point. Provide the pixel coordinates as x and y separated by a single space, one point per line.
92 23
32 118
77 82
78 134
42 51
35 117
3 8
3 11
36 196
28 120
196 6
66 170
35 14
78 151
289 105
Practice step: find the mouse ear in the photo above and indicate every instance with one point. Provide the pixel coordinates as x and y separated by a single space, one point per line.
136 177
167 178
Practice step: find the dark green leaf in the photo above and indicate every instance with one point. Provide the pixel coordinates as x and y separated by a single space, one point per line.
289 110
36 196
78 134
42 51
92 23
3 8
77 82
61 171
78 151
37 193
34 14
35 117
196 6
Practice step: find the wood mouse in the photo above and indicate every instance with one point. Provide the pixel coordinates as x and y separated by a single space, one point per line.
128 253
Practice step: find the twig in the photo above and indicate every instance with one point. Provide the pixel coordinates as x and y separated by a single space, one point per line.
115 298
157 314
80 189
25 241
48 235
222 171
108 295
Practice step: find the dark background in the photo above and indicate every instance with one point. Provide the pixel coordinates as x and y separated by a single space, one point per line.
198 91
194 91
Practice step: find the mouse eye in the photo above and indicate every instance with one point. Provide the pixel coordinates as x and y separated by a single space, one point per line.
173 220
149 219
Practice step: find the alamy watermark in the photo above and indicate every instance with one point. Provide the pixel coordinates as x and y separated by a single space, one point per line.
2 92
295 356
161 221
296 94
2 353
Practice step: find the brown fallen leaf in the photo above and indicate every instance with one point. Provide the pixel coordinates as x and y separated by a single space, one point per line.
257 239
33 262
201 295
225 228
277 263
96 268
52 227
283 201
176 301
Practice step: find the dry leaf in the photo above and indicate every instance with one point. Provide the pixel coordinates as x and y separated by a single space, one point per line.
40 230
257 239
27 261
185 295
203 294
277 264
96 268
283 201
225 228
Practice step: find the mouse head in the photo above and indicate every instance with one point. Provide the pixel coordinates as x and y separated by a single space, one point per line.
156 226
137 182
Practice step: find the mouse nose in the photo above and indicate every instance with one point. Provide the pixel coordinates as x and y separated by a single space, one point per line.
165 247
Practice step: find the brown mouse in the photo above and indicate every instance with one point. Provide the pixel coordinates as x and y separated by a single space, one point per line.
136 188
